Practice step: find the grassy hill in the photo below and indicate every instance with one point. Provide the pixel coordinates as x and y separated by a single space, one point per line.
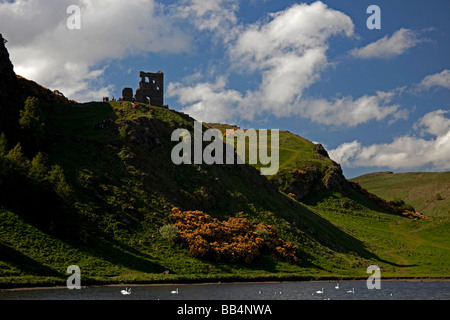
294 151
97 186
428 192
115 187
404 247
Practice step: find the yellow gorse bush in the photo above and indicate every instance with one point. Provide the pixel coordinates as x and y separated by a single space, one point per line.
234 240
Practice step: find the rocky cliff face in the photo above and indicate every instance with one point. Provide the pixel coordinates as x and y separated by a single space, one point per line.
304 181
9 90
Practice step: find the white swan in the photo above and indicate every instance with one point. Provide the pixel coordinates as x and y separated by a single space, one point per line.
337 286
351 291
319 291
126 291
174 291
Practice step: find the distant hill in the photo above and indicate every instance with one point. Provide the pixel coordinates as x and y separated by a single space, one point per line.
428 192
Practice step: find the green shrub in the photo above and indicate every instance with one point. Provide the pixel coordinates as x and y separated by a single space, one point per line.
17 159
409 207
398 202
86 178
169 232
3 145
57 178
402 204
31 125
263 233
122 133
38 169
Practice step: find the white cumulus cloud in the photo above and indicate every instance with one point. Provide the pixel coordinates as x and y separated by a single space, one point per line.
403 152
388 47
288 51
43 49
441 79
213 97
216 16
352 112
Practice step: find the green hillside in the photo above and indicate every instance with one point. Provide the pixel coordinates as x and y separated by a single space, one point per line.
428 192
98 197
294 151
410 247
92 184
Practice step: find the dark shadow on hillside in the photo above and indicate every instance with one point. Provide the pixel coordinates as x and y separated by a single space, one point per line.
123 255
95 150
78 121
25 264
99 246
38 205
269 263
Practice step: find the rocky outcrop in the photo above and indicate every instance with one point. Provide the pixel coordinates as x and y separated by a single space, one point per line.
319 149
334 179
9 90
301 182
145 132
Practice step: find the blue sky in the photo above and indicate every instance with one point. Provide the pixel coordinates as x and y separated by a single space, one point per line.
377 99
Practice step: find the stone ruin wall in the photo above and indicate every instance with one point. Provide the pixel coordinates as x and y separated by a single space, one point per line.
150 89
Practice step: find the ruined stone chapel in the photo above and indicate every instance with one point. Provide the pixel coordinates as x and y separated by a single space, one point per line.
150 89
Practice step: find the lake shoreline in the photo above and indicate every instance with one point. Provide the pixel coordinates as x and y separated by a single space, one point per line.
181 283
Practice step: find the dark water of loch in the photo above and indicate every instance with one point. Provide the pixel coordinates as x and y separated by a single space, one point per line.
348 290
